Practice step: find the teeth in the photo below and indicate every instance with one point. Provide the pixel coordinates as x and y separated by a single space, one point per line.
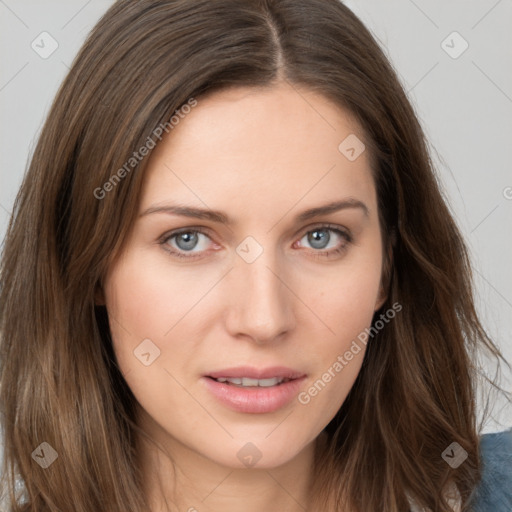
247 382
250 382
271 382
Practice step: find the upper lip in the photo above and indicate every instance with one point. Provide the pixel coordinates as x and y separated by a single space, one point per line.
250 372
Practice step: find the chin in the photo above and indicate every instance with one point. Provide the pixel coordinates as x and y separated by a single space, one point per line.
257 452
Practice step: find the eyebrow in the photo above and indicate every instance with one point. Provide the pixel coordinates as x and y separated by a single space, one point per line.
221 217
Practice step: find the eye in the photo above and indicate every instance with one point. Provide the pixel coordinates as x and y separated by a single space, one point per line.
324 243
192 242
184 242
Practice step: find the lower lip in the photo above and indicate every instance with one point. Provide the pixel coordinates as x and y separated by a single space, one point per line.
254 399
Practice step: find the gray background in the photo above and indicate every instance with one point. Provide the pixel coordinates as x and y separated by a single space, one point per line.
464 104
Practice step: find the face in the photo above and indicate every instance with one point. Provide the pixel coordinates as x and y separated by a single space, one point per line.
265 287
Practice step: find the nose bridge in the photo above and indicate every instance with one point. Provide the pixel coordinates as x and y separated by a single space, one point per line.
261 305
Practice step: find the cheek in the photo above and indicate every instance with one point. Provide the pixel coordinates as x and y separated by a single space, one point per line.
346 299
148 298
338 356
145 301
345 305
138 305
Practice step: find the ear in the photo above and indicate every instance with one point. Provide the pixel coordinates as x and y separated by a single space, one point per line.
387 267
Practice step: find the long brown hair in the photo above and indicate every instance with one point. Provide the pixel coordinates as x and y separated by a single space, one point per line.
59 382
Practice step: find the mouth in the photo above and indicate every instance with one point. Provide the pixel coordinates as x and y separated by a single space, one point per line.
250 390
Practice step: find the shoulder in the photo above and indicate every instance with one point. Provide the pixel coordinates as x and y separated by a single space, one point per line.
494 492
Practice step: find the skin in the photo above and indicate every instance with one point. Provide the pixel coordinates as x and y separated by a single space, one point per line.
262 156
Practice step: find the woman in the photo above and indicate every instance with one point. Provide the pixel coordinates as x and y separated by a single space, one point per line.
229 196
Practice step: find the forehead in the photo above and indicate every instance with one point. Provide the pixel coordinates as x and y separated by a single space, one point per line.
255 148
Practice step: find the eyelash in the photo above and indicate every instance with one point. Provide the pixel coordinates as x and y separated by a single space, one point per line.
316 254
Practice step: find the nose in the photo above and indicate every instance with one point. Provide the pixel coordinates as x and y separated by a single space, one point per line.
261 302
